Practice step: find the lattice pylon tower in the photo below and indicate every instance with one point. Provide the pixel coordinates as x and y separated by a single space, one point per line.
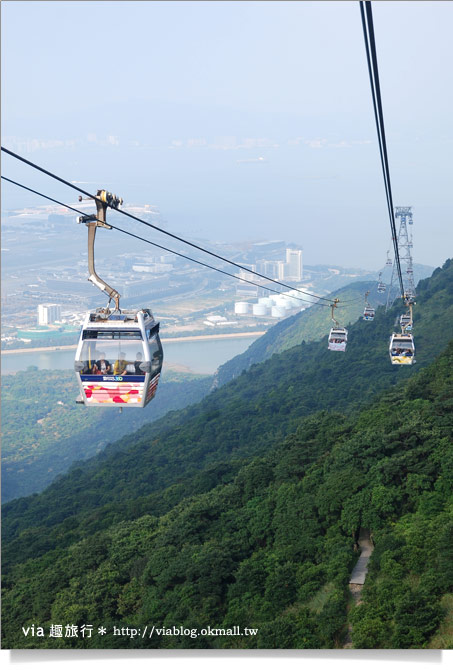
404 241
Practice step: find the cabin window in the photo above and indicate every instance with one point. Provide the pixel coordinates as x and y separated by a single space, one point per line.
112 335
156 354
116 356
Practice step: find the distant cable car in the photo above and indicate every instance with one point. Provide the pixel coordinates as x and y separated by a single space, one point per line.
368 312
402 349
338 337
389 260
405 322
119 356
381 287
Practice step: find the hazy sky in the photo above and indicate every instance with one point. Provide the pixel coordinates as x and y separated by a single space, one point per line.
239 120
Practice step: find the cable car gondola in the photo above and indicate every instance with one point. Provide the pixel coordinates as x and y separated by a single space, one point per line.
389 261
119 356
402 349
368 312
338 337
405 322
381 287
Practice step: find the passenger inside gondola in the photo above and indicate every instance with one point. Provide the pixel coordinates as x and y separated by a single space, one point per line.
120 365
402 352
86 370
156 362
102 366
138 361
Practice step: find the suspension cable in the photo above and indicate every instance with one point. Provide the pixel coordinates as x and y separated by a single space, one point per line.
370 47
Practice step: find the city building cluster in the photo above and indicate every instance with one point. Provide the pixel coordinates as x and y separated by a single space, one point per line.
290 269
45 292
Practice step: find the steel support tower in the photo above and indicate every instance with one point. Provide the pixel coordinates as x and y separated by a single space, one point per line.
404 241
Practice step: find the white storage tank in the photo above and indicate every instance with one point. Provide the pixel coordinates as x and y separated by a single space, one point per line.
242 308
278 312
283 301
260 310
266 301
293 302
294 298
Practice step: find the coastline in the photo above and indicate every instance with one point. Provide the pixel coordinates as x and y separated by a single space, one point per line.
190 338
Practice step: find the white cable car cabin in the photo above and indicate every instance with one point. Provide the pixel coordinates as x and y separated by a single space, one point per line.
338 338
381 287
368 314
119 358
402 349
406 322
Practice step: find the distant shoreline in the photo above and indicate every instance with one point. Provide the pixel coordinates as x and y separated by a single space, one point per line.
190 338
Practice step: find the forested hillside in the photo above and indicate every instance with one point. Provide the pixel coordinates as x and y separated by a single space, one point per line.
44 431
243 419
243 510
272 549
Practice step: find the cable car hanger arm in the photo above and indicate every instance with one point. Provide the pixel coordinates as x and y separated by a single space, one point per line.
94 221
334 306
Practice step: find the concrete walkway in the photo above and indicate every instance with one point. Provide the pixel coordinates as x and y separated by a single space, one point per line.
358 576
359 573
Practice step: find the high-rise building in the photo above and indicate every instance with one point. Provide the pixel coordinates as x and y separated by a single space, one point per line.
294 269
282 270
48 314
245 288
271 269
248 276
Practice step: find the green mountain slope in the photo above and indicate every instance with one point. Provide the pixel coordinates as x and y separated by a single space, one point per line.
272 550
44 431
149 472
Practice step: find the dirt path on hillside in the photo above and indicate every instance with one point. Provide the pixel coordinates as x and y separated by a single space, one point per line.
358 576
